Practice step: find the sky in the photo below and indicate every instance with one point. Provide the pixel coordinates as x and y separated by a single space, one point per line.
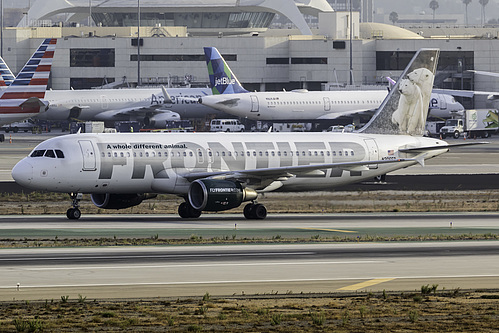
445 7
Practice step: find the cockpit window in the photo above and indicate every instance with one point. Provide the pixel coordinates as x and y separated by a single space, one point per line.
59 153
50 153
37 153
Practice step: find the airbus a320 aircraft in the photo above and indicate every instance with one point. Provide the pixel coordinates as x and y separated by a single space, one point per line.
220 171
24 96
297 105
148 105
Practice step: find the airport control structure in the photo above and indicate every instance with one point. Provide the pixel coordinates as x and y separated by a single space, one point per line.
320 48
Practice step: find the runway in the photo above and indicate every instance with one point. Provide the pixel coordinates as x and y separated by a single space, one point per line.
173 271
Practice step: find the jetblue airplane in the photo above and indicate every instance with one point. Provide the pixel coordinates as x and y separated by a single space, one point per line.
220 171
23 96
297 105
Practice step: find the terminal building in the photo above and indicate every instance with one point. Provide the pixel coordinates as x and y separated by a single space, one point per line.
101 44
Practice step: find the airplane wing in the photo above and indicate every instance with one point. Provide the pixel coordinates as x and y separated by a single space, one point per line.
134 111
283 173
428 148
468 93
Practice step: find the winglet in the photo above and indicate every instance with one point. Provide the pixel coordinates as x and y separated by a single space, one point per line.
222 80
167 99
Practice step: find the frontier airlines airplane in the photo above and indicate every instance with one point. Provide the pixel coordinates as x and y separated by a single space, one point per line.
220 171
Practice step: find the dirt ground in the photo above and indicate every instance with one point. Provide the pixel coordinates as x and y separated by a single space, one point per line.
278 202
439 311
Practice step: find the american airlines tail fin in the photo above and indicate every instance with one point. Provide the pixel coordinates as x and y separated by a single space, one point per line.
6 76
222 80
33 78
405 109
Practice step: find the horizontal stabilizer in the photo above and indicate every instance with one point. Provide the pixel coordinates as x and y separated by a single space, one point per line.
428 148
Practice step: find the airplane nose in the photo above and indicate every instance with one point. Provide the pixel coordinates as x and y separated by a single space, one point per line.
22 173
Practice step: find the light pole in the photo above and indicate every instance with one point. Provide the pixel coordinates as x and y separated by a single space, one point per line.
351 55
138 43
89 13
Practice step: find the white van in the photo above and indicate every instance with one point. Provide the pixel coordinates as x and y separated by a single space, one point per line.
226 125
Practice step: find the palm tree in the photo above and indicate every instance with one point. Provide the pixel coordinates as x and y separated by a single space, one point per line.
466 3
394 17
483 3
434 7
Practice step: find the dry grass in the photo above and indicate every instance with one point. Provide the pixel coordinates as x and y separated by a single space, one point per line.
310 202
451 311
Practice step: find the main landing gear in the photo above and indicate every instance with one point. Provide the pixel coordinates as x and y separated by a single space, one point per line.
74 213
185 210
255 211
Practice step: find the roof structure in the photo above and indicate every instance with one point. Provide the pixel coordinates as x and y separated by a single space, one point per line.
207 15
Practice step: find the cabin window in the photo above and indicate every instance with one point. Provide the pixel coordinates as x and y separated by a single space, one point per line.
185 154
159 154
191 154
122 155
115 154
200 154
322 153
109 154
103 154
254 153
278 153
223 153
273 153
141 154
166 154
340 153
285 153
334 153
351 153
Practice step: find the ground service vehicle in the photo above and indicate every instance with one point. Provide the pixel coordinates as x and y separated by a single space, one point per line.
475 123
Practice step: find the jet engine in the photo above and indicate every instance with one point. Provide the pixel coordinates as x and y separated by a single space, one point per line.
216 195
119 201
159 120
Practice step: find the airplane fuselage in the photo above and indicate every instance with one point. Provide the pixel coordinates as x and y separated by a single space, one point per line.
93 104
160 163
313 105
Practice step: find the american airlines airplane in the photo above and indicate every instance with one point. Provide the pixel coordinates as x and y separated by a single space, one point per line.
220 171
148 105
24 96
297 105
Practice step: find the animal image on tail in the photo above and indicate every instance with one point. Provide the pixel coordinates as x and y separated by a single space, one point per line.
407 104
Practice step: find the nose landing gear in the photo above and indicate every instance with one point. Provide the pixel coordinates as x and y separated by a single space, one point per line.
74 213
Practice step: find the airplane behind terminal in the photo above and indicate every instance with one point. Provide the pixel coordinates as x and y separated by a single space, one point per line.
24 95
220 171
230 96
148 105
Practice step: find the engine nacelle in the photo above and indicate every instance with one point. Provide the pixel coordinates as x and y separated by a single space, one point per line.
119 201
217 195
159 120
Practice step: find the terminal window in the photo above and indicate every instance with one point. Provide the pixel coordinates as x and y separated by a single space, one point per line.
92 58
177 57
309 61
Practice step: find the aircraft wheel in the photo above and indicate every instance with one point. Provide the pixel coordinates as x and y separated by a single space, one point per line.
185 210
73 213
247 210
259 212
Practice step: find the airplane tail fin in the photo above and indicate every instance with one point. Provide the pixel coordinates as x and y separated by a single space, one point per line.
405 108
222 80
33 78
6 76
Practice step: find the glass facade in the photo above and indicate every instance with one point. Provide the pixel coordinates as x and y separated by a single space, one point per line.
87 83
449 60
178 57
189 20
92 58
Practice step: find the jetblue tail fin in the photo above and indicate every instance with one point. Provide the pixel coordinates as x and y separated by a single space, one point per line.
6 76
405 109
222 80
33 78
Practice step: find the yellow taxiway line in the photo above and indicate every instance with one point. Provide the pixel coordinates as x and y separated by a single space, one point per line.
365 284
335 230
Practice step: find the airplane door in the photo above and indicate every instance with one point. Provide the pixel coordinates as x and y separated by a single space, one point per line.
442 102
255 106
327 104
104 102
88 153
372 149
